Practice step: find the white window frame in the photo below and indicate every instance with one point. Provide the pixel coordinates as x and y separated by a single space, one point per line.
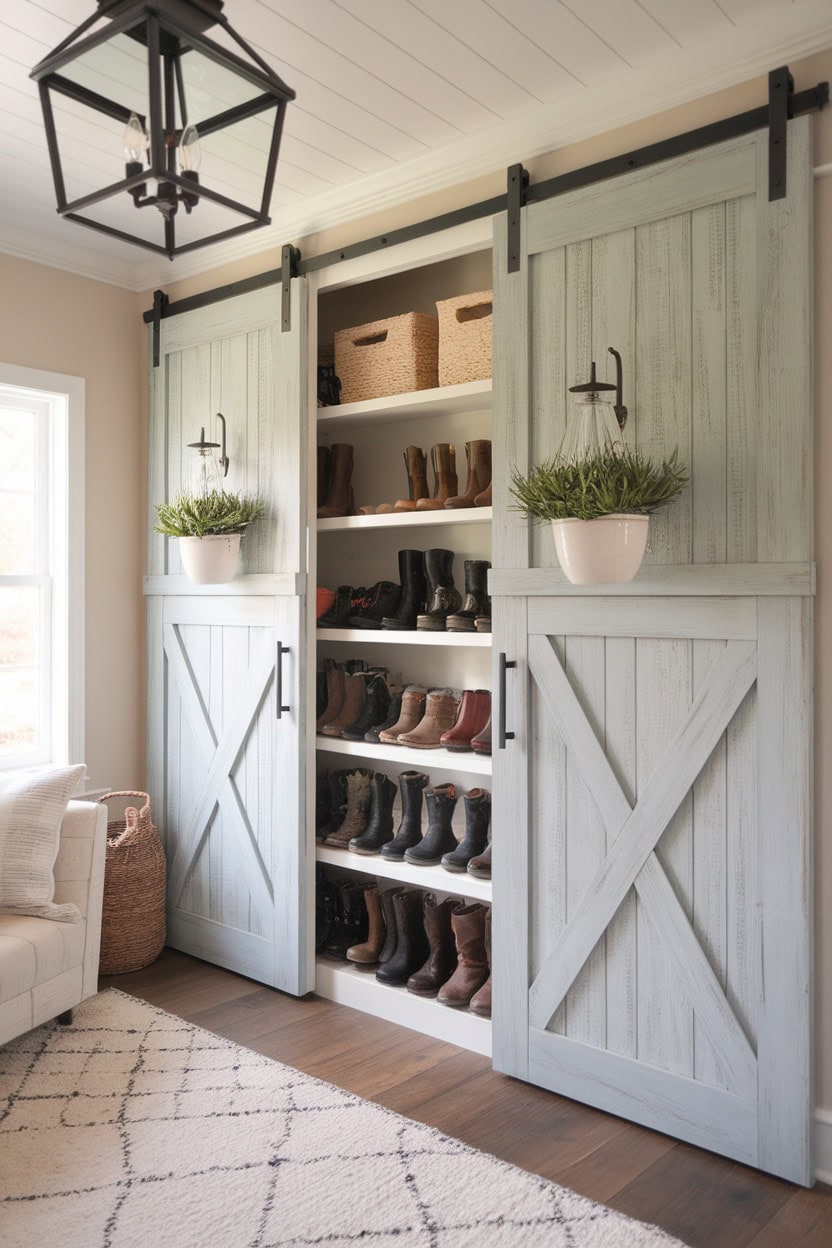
60 402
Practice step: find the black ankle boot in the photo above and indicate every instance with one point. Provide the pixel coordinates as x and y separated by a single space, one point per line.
380 827
477 819
376 708
394 710
414 591
409 831
476 596
370 608
339 612
439 838
443 598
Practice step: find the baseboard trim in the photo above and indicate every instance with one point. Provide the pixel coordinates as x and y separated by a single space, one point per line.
823 1145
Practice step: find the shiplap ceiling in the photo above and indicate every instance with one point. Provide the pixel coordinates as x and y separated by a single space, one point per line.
395 98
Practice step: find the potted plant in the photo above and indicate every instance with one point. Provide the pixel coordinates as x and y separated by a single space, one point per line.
599 507
208 527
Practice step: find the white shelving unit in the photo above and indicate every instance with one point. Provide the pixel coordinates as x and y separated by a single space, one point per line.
432 879
407 520
466 762
444 401
380 636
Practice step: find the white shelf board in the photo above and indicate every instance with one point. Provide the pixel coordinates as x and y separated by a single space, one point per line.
470 396
408 519
434 879
466 761
338 981
393 637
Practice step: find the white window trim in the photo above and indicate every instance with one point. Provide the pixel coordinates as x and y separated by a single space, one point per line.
68 640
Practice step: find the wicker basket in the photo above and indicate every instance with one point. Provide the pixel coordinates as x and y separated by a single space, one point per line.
133 925
465 338
387 357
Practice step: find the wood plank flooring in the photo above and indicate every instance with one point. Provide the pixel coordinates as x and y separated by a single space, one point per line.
704 1200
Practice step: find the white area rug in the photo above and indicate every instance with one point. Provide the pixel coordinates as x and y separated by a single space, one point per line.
134 1128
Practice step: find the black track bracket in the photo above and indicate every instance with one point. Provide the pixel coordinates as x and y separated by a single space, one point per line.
780 101
160 303
517 179
290 259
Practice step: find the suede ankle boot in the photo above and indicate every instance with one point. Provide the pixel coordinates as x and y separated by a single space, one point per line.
477 818
355 695
443 460
409 831
366 954
439 838
375 710
339 612
417 479
388 914
377 601
357 813
441 709
394 710
474 713
441 962
478 455
379 828
340 500
480 1003
476 595
335 695
413 592
443 598
412 946
414 699
468 923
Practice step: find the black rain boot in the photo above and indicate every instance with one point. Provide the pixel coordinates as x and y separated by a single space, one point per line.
392 717
412 948
339 612
476 595
409 831
414 591
376 708
380 826
477 819
439 838
391 930
443 598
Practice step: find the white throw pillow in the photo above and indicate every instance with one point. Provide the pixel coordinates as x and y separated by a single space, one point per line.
32 805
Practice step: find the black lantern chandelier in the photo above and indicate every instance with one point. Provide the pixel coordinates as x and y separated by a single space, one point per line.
199 123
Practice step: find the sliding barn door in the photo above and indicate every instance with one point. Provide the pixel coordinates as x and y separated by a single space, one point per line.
225 662
653 905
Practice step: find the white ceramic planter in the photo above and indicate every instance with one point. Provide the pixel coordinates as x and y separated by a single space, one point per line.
210 560
605 551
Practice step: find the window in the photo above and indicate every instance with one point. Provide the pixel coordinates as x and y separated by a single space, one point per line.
41 567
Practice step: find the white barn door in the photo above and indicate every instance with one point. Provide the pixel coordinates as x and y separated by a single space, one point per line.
225 663
653 919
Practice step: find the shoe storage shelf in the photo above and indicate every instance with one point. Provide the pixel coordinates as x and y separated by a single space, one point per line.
444 401
468 764
407 520
369 636
432 879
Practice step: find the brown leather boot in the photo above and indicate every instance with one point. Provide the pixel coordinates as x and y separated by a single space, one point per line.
474 713
414 700
355 695
340 500
468 923
359 797
480 1003
367 954
440 712
443 459
478 455
441 963
334 695
417 479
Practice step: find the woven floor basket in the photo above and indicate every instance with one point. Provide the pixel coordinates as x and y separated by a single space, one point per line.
133 927
465 338
387 357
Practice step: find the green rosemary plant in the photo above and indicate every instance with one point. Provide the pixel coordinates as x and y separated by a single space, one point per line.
607 482
198 515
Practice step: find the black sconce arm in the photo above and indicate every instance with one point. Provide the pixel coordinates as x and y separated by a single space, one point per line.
620 409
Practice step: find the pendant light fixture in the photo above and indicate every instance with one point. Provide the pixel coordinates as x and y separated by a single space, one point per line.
193 124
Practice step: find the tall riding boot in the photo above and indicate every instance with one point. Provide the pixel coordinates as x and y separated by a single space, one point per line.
412 946
359 794
478 455
439 838
477 819
335 688
376 708
414 591
340 500
441 962
379 828
367 954
323 473
355 695
339 612
409 831
476 596
480 1003
468 923
391 931
443 459
417 479
474 714
440 712
443 598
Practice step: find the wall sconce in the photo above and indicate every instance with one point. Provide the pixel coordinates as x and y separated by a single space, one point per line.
205 469
596 423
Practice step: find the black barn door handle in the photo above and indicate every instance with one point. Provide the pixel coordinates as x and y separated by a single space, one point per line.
281 650
502 734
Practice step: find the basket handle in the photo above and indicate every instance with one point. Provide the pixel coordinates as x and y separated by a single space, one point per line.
474 312
130 814
370 339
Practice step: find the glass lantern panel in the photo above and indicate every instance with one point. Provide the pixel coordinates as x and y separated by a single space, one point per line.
591 427
211 88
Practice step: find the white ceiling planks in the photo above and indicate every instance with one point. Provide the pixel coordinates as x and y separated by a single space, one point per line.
394 98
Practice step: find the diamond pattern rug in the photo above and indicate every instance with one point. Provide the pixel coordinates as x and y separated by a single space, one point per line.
132 1127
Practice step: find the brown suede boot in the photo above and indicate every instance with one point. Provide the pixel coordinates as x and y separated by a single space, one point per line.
340 500
478 455
443 459
417 479
481 1001
440 712
468 923
335 689
441 963
414 699
367 954
359 796
355 695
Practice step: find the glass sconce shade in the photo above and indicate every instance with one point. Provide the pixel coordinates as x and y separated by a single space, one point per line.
204 476
591 427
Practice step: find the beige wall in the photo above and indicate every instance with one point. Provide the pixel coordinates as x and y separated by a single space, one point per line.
52 320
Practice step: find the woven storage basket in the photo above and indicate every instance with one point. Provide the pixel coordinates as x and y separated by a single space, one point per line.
465 338
387 357
133 925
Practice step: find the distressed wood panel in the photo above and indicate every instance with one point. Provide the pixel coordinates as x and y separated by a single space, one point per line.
708 487
742 430
548 375
621 935
674 581
730 619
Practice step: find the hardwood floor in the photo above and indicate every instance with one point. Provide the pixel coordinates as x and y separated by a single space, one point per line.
705 1201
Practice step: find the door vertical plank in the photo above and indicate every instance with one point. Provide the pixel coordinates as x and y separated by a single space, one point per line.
742 886
614 315
548 378
743 442
234 858
621 741
510 329
157 716
190 762
212 849
708 431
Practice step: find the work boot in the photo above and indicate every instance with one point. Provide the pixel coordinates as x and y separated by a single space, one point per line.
340 500
367 953
468 923
443 459
391 931
352 923
376 602
375 710
413 593
439 838
440 712
355 695
481 743
476 595
480 867
443 598
414 699
359 796
480 1003
335 689
477 818
441 962
478 455
339 612
474 713
379 828
417 479
409 831
412 946
393 712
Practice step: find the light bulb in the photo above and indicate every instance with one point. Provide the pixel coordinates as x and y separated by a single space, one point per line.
190 156
136 141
